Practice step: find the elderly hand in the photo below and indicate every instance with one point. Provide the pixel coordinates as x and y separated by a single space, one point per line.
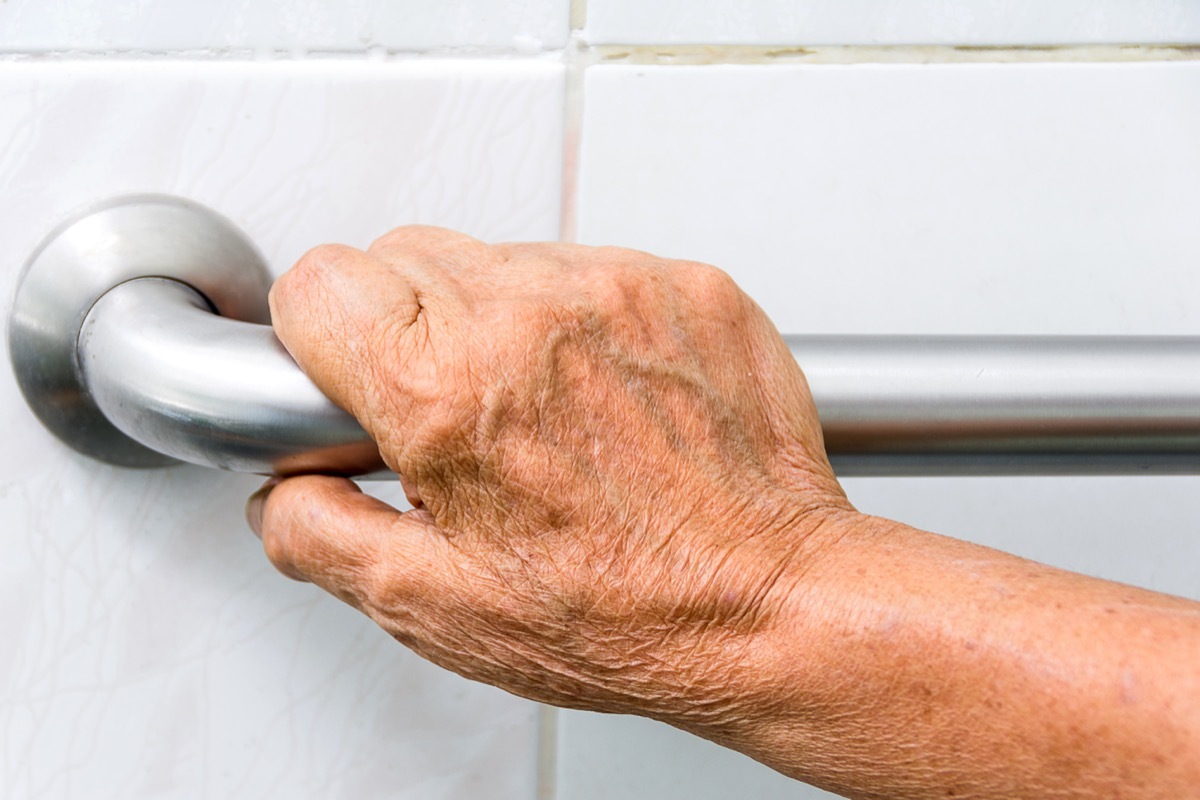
616 467
622 503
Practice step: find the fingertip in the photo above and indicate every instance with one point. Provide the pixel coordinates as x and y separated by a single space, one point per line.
301 521
254 505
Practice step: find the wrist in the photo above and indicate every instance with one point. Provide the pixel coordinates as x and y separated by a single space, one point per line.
769 677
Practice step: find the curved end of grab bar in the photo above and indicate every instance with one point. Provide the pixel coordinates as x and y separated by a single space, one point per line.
208 390
116 348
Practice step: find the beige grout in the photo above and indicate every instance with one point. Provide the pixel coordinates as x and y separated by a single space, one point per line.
719 54
578 15
888 54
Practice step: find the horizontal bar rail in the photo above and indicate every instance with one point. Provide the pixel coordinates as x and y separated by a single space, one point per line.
182 381
994 405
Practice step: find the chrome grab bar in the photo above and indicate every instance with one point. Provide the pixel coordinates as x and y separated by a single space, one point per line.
1006 405
182 381
118 350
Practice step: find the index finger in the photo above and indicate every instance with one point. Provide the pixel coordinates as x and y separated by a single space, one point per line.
341 314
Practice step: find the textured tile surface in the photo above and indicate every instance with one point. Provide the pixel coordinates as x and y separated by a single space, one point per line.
149 650
969 199
976 22
353 25
985 198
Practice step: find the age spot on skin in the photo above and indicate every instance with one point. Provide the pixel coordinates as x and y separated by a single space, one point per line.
1129 691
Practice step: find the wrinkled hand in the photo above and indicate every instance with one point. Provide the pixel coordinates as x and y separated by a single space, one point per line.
616 467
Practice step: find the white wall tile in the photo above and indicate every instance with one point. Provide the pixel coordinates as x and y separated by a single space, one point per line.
149 649
924 199
353 25
974 198
953 22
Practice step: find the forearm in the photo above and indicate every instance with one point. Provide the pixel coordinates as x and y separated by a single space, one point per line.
905 664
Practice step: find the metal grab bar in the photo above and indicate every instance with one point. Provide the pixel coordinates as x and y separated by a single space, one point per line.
118 351
173 376
1006 405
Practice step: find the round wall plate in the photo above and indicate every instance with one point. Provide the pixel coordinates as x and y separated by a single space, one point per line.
97 248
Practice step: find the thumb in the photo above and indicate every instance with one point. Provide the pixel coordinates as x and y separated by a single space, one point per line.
324 530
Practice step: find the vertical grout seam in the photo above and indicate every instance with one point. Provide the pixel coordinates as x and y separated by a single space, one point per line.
575 60
575 64
578 15
547 753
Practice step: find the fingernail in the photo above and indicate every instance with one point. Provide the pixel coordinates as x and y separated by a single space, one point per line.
254 506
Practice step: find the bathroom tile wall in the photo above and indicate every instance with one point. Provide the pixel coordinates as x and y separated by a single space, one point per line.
150 651
313 25
993 198
148 648
877 22
909 198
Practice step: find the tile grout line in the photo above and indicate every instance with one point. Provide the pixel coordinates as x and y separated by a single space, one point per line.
276 56
704 55
547 753
575 61
577 16
579 52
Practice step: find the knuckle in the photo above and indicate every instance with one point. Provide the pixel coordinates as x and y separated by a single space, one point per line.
507 252
420 240
709 287
398 237
321 259
308 274
609 254
611 290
